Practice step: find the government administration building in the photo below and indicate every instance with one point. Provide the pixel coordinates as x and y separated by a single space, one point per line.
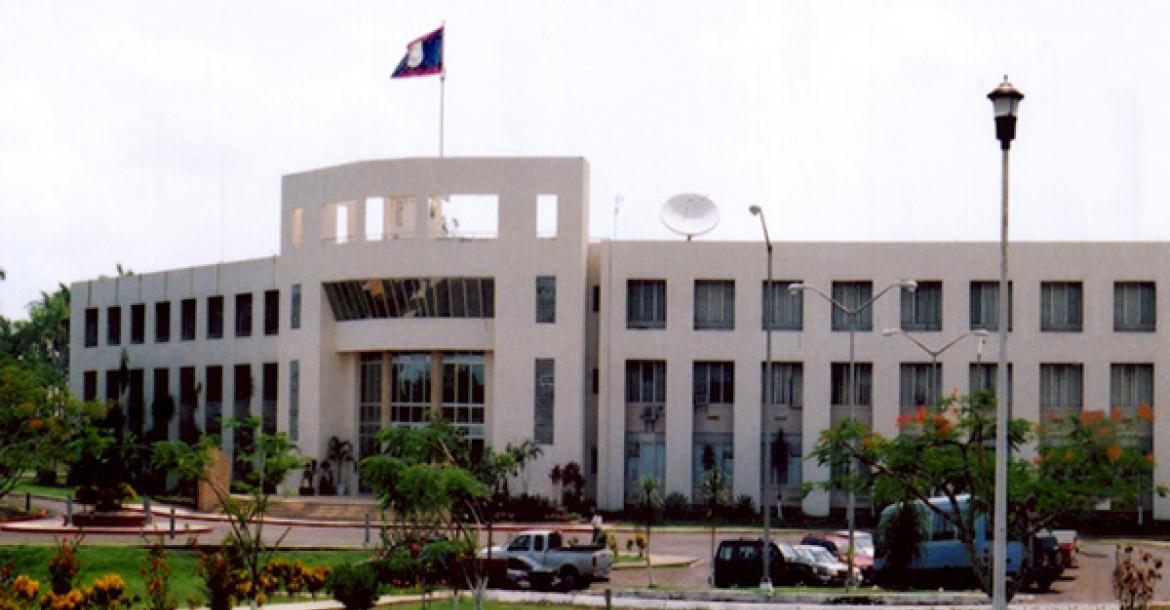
630 358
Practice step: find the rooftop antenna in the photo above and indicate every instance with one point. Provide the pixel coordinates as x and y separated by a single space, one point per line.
689 214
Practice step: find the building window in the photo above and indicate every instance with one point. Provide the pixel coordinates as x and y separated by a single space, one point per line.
294 320
1134 307
1060 307
137 323
188 403
646 381
410 388
269 379
1061 389
91 327
714 383
985 306
369 405
136 407
546 299
983 377
294 399
787 307
544 395
113 325
187 313
922 307
244 315
1131 385
162 321
714 304
918 385
241 410
787 384
271 312
646 304
215 317
840 388
428 297
163 406
89 386
213 405
463 396
596 298
596 380
853 295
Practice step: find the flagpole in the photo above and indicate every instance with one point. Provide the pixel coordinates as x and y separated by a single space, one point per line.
442 84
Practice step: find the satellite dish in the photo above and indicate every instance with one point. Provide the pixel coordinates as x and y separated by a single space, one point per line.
689 214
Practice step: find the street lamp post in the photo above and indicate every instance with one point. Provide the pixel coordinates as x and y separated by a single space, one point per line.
1005 99
851 314
934 353
765 504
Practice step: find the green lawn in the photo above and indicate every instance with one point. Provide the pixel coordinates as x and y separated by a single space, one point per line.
30 487
98 560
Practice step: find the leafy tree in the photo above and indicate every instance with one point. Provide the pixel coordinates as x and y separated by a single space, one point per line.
42 341
271 456
426 478
715 497
38 422
339 453
649 510
949 450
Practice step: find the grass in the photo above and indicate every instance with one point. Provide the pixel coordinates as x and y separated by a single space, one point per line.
125 561
28 486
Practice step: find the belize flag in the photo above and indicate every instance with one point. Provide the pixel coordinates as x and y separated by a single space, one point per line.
424 55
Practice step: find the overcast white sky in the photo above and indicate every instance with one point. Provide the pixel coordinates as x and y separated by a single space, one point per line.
154 134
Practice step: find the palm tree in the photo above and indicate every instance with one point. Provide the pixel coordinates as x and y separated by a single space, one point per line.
527 451
649 505
715 498
340 453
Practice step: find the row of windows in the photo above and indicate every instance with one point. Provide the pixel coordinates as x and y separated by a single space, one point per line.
188 312
1061 306
424 297
1131 384
128 387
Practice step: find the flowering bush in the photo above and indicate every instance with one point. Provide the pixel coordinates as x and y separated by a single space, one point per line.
72 599
221 575
107 593
64 564
105 497
25 588
1134 578
157 577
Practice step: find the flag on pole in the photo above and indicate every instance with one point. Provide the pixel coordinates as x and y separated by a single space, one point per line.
424 56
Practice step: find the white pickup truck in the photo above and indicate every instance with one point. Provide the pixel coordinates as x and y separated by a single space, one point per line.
569 567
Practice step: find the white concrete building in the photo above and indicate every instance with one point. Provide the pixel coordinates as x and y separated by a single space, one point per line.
470 286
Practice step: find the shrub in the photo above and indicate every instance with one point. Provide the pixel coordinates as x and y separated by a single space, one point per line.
745 509
355 585
157 577
1134 578
221 575
64 564
676 506
108 593
897 540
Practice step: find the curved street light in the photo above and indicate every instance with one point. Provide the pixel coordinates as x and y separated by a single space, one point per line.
765 505
934 353
851 313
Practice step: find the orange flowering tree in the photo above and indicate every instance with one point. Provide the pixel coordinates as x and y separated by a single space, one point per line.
38 422
949 450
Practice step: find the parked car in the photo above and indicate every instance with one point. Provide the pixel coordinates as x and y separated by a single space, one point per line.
816 573
828 564
1047 564
738 563
1068 547
571 567
839 546
802 573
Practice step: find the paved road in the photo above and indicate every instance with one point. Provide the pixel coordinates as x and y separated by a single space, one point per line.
1089 583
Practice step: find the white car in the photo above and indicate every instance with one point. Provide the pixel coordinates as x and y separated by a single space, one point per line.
822 558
